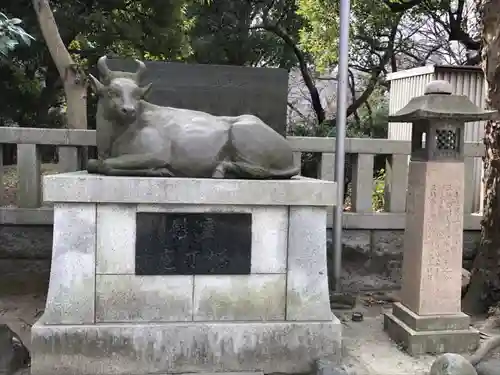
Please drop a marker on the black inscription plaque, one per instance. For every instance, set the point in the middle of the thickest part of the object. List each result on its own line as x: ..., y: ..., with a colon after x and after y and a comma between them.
x: 193, y: 243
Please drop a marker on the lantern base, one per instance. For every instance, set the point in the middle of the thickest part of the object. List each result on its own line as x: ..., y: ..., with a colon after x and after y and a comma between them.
x: 434, y: 334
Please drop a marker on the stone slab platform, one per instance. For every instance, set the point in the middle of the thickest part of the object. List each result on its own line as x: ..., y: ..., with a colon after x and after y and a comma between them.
x: 286, y: 347
x: 418, y: 343
x: 82, y: 187
x: 458, y: 321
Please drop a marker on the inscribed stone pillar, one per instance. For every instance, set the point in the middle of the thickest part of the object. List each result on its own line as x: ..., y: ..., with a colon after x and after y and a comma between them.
x: 429, y: 317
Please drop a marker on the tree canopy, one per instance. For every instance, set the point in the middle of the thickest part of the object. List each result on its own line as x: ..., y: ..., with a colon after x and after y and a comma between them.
x: 301, y: 35
x: 12, y: 35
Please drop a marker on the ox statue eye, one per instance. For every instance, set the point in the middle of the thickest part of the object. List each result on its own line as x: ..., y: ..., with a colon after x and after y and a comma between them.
x: 113, y: 94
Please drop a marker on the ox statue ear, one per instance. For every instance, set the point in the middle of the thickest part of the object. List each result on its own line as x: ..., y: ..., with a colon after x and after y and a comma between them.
x: 96, y: 85
x: 146, y: 90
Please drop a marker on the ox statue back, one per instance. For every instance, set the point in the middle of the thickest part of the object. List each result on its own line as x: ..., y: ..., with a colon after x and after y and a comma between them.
x: 137, y: 138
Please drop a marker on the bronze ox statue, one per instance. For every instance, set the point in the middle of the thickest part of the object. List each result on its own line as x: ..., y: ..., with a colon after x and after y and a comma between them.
x: 137, y: 138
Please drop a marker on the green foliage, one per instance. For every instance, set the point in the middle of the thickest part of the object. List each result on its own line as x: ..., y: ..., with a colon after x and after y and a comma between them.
x: 152, y: 29
x: 370, y: 26
x: 224, y: 32
x: 378, y: 198
x: 373, y: 116
x: 12, y: 35
x: 320, y: 35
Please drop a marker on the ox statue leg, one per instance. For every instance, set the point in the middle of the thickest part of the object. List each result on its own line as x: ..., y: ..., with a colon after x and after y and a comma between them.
x: 241, y: 169
x: 148, y: 165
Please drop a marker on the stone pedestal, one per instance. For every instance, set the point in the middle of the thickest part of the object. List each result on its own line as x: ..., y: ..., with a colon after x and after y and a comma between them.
x: 429, y: 318
x: 106, y: 315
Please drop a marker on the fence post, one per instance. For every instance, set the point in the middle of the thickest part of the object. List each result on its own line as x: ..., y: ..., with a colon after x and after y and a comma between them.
x: 327, y: 166
x: 69, y: 159
x: 297, y: 160
x: 327, y: 169
x: 396, y: 183
x: 29, y: 175
x: 362, y: 183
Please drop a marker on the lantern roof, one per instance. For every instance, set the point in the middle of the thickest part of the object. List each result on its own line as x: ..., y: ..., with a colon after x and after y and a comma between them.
x: 438, y: 103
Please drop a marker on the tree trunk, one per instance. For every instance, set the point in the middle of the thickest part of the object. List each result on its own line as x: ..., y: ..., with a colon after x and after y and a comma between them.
x: 484, y: 288
x: 74, y: 79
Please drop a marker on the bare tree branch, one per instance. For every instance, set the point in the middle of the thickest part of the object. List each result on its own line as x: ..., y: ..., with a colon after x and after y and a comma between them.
x: 306, y: 75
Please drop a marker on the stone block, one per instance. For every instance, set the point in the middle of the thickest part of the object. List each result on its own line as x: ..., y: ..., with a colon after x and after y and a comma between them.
x: 71, y: 295
x: 239, y: 297
x: 130, y: 298
x: 269, y: 239
x: 162, y: 348
x: 418, y: 343
x: 86, y: 188
x: 115, y: 249
x: 307, y: 284
x: 459, y: 321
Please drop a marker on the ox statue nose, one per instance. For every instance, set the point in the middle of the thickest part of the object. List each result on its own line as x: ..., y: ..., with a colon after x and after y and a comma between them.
x: 128, y: 111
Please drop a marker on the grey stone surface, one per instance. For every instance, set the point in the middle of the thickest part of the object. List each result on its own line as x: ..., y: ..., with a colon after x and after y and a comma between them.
x: 83, y: 187
x: 307, y: 283
x: 239, y: 297
x: 220, y: 90
x: 71, y: 297
x: 115, y: 249
x: 435, y: 342
x: 29, y: 168
x: 31, y: 242
x: 459, y: 321
x: 24, y: 276
x: 451, y: 364
x: 269, y: 239
x: 285, y: 347
x: 130, y: 298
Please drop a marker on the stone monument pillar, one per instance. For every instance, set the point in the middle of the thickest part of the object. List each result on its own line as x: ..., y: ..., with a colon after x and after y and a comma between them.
x: 429, y: 317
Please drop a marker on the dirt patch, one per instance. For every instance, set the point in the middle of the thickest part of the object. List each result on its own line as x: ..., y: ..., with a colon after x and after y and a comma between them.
x: 20, y: 312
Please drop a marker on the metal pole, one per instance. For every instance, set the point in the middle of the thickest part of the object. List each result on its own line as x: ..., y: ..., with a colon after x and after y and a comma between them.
x: 342, y: 87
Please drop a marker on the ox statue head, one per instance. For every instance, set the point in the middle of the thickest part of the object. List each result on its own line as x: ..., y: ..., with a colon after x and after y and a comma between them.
x: 119, y: 92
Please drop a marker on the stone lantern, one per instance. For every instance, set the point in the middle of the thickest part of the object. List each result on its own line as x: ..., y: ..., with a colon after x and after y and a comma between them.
x: 429, y: 319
